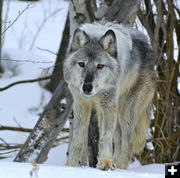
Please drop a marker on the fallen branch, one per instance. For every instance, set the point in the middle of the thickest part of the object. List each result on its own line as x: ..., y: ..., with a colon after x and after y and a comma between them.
x: 12, y: 146
x: 25, y: 81
x: 7, y: 153
x: 9, y: 147
x: 48, y: 127
x: 21, y: 129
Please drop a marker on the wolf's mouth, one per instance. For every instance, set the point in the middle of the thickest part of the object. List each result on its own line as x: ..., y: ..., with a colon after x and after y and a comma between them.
x: 87, y: 95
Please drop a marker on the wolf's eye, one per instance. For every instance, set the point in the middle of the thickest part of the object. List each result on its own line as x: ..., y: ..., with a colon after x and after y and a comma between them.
x: 100, y: 66
x: 81, y: 64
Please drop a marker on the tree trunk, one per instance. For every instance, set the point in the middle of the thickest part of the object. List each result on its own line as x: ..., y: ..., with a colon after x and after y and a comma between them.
x: 121, y: 11
x: 49, y: 125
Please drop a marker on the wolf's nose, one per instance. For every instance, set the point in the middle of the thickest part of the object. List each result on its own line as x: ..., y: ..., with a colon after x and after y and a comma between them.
x: 87, y: 88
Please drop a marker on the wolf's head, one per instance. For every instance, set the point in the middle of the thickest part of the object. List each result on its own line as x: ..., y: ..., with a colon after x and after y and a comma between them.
x: 92, y: 65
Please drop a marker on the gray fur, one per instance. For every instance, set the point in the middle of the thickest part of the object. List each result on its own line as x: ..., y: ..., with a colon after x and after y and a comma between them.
x: 110, y: 69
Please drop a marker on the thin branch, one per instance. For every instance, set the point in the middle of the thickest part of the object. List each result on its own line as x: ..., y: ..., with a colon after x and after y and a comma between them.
x: 4, y: 142
x: 21, y: 129
x: 9, y: 152
x: 25, y: 81
x: 31, y: 5
x: 47, y: 50
x: 14, y: 118
x: 5, y: 21
x: 41, y: 26
x: 10, y: 146
x: 60, y: 139
x: 30, y: 61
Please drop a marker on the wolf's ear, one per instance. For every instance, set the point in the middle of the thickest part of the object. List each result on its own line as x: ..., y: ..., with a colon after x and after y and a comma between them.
x: 80, y: 38
x: 108, y: 42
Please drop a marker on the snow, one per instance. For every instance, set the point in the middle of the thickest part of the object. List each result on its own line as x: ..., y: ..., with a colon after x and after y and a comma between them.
x: 21, y: 104
x: 22, y: 170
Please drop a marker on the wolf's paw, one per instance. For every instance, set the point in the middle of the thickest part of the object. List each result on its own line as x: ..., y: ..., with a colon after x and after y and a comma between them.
x: 106, y: 165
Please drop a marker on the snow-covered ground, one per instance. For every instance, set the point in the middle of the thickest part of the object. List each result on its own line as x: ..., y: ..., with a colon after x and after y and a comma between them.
x: 24, y: 170
x: 21, y: 104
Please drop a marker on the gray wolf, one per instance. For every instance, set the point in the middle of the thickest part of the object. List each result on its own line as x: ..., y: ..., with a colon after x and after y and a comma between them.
x: 109, y: 69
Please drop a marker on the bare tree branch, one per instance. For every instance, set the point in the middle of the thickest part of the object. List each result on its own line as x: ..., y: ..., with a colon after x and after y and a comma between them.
x: 31, y: 5
x: 41, y: 26
x: 26, y: 60
x: 19, y: 129
x: 47, y: 50
x: 5, y: 21
x: 22, y: 129
x: 25, y: 81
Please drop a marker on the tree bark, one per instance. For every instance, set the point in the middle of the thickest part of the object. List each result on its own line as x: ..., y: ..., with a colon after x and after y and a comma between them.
x: 122, y: 11
x: 49, y: 125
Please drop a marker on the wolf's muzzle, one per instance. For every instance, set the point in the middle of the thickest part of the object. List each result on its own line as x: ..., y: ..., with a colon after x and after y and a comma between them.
x: 87, y: 88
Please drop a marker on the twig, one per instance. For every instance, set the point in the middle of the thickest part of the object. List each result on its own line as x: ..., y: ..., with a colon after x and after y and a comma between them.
x: 25, y: 81
x: 10, y: 146
x: 21, y: 129
x: 15, y: 129
x: 19, y: 125
x: 47, y: 68
x: 5, y: 20
x: 4, y: 142
x: 172, y: 139
x: 30, y: 61
x: 8, y: 152
x: 20, y: 13
x: 40, y: 27
x: 47, y: 50
x: 59, y: 140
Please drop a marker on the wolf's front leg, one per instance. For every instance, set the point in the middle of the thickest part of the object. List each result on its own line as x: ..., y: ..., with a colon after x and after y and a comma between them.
x: 127, y: 130
x: 107, y: 124
x: 80, y: 131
